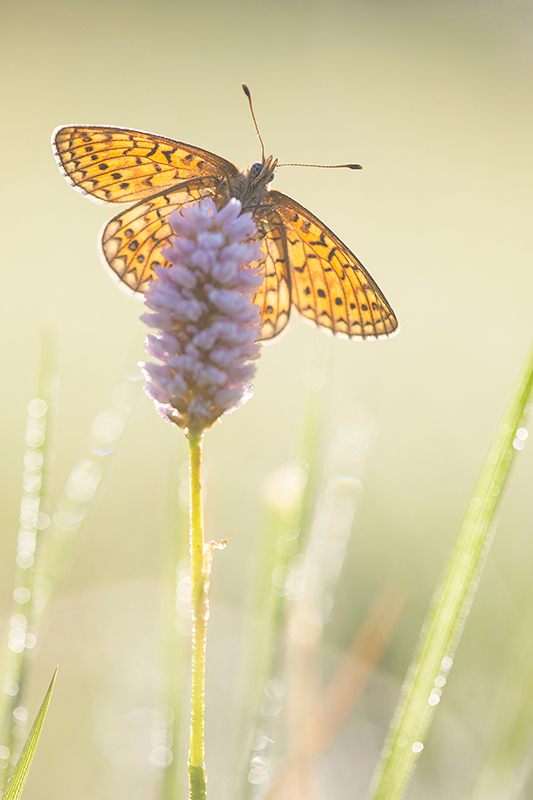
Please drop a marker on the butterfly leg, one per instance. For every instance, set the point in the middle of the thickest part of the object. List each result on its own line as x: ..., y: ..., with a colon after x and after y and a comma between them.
x: 222, y: 194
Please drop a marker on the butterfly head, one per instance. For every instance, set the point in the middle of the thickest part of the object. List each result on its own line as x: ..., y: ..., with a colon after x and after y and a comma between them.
x: 261, y: 173
x: 250, y: 187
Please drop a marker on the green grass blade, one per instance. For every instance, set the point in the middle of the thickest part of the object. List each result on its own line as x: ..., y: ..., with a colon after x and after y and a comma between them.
x: 450, y: 606
x: 20, y: 773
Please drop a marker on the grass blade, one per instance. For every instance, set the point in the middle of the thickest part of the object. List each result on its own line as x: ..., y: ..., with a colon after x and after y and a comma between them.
x: 20, y: 773
x: 450, y: 606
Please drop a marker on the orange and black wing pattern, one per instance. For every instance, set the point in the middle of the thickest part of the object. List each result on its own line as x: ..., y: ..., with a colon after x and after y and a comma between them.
x: 305, y: 264
x: 274, y: 296
x: 119, y: 165
x: 132, y: 242
x: 328, y: 283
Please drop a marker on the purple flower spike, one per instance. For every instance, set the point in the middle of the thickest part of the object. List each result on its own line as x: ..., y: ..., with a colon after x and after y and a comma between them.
x: 207, y: 320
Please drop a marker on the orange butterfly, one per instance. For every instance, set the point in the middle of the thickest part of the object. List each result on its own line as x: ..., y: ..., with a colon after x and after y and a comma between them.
x: 305, y: 264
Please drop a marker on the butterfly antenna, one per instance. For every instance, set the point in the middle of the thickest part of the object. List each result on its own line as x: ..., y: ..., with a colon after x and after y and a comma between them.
x: 249, y: 96
x: 324, y: 166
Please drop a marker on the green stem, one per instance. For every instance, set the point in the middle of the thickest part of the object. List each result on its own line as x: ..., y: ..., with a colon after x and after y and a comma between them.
x: 450, y: 606
x: 200, y: 614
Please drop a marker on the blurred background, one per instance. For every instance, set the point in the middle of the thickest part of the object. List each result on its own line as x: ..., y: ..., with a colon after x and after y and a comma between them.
x: 434, y: 99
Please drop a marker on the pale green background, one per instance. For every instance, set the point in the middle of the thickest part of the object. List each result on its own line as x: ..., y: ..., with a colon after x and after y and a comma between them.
x: 434, y: 99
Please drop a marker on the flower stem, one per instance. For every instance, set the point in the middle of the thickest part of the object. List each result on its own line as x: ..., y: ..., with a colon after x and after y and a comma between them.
x: 200, y: 615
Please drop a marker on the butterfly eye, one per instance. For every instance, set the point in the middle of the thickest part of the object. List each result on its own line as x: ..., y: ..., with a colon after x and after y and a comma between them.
x: 255, y: 169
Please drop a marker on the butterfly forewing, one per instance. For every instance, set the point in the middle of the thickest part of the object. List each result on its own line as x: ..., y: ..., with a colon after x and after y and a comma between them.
x: 118, y: 165
x: 329, y: 285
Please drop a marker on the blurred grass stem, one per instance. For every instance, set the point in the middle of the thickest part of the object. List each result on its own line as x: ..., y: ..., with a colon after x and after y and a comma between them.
x: 200, y: 613
x: 30, y: 590
x: 345, y: 687
x: 450, y: 605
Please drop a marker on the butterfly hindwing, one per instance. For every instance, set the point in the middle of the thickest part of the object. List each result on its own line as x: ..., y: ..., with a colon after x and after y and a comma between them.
x: 132, y: 241
x: 329, y: 285
x: 274, y: 296
x: 119, y: 165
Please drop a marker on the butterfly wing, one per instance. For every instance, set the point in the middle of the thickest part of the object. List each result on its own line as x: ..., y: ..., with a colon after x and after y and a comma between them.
x: 329, y: 285
x: 131, y: 242
x: 304, y: 262
x: 274, y: 295
x: 120, y: 165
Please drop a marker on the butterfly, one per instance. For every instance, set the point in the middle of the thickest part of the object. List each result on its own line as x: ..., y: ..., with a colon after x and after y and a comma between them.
x: 305, y: 264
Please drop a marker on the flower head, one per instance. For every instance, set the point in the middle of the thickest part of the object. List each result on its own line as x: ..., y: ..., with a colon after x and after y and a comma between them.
x: 203, y: 307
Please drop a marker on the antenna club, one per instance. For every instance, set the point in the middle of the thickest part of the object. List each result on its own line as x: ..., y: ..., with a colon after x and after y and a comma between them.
x: 324, y: 166
x: 249, y: 96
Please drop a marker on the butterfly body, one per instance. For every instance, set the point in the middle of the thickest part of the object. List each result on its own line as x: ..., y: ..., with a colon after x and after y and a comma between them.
x: 305, y: 263
x: 250, y: 184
